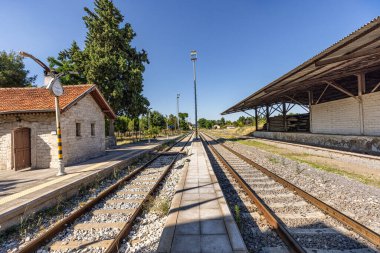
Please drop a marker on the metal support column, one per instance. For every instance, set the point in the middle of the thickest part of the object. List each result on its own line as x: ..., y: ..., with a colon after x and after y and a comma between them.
x: 256, y: 120
x: 361, y: 90
x: 311, y: 102
x: 267, y: 117
x: 284, y: 116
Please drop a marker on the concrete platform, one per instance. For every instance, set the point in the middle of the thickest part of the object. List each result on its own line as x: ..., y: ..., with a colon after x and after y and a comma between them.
x: 352, y: 143
x: 199, y: 218
x: 27, y: 191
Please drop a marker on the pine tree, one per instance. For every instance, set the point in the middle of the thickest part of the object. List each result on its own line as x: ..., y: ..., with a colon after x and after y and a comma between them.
x: 12, y: 71
x: 108, y: 60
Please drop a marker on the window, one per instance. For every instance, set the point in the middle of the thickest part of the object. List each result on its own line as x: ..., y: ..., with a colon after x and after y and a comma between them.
x: 77, y: 129
x: 92, y: 129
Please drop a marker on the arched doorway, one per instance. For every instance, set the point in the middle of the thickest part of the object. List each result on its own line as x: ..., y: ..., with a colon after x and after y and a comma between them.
x: 21, y: 148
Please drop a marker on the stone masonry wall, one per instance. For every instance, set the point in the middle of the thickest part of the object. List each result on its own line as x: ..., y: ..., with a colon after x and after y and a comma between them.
x: 360, y: 144
x: 43, y: 143
x: 342, y: 116
x: 77, y: 149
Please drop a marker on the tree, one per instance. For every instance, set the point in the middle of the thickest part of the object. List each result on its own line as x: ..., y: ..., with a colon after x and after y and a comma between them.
x: 121, y: 124
x: 241, y: 121
x: 108, y: 60
x: 172, y: 121
x: 157, y: 120
x: 12, y: 71
x: 202, y: 122
x: 222, y: 122
x: 182, y: 120
x: 72, y: 59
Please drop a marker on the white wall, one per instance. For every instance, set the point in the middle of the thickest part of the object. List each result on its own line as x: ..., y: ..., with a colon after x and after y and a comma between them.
x: 342, y: 116
x: 371, y: 105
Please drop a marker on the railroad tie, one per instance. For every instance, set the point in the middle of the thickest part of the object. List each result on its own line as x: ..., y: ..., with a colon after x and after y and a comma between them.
x: 90, y: 226
x: 115, y: 201
x: 275, y: 196
x: 294, y: 204
x: 62, y: 245
x: 265, y: 183
x: 113, y: 211
x: 145, y: 180
x: 132, y: 192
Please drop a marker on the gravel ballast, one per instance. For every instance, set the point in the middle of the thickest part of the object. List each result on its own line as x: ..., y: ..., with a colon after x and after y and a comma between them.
x: 146, y: 232
x: 355, y: 199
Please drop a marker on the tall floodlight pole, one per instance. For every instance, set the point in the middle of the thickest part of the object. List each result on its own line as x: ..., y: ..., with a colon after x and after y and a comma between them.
x: 178, y: 111
x: 149, y: 124
x: 193, y: 55
x: 167, y: 126
x: 53, y: 82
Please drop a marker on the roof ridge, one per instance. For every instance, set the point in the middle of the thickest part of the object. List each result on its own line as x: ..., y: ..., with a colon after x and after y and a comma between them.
x: 43, y: 87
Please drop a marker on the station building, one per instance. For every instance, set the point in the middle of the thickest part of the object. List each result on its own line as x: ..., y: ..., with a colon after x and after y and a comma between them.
x: 340, y: 91
x: 28, y: 126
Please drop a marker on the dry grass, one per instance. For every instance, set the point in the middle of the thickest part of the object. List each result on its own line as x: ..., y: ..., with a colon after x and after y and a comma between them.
x: 232, y: 133
x: 159, y: 205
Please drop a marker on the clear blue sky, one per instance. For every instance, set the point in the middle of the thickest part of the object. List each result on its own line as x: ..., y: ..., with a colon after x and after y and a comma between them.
x: 242, y: 45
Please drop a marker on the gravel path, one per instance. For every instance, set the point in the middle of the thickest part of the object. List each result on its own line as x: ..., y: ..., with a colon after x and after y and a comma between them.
x: 357, y: 200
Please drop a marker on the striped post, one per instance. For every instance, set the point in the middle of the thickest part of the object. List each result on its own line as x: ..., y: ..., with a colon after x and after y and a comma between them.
x: 59, y: 139
x: 61, y: 168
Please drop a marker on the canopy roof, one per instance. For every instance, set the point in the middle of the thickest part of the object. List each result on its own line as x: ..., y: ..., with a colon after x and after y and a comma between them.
x: 357, y: 53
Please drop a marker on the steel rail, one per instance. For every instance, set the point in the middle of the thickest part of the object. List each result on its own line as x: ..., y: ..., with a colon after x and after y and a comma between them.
x: 357, y: 227
x: 274, y: 221
x: 33, y: 245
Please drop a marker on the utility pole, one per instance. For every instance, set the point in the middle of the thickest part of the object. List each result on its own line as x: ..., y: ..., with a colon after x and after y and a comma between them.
x: 193, y: 55
x: 178, y: 111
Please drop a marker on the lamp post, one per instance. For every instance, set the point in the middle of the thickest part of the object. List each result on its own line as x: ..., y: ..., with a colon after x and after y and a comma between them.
x: 52, y: 80
x: 167, y: 126
x: 178, y: 110
x: 149, y: 124
x: 193, y: 56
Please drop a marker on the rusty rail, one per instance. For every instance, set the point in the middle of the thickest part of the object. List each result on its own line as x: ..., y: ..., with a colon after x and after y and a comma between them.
x: 357, y: 227
x: 62, y: 224
x: 270, y: 216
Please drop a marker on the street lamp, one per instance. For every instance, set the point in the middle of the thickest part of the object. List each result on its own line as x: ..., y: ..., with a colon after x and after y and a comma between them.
x: 193, y: 56
x: 52, y: 80
x: 178, y: 110
x: 149, y: 124
x: 167, y: 126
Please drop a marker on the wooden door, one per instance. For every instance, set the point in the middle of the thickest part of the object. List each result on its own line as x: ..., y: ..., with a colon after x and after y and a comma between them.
x: 21, y: 148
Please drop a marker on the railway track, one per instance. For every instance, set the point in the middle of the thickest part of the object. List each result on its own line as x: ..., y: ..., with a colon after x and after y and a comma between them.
x: 304, y: 223
x: 102, y: 223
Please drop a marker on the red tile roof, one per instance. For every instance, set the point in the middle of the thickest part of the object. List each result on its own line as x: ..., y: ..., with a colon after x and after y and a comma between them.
x: 29, y: 100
